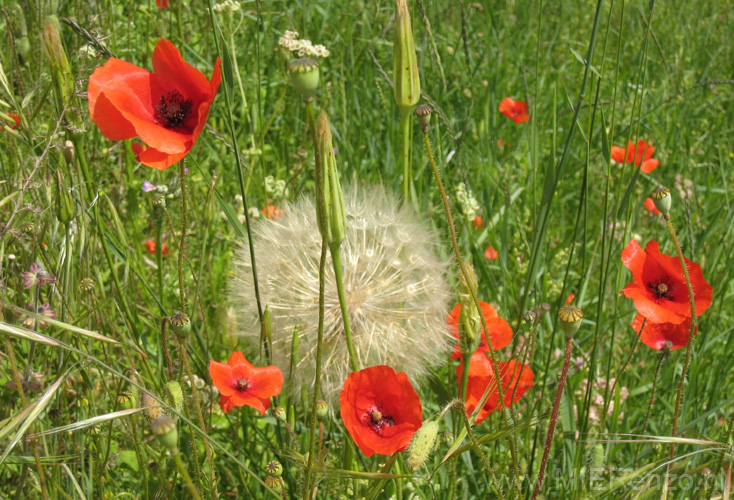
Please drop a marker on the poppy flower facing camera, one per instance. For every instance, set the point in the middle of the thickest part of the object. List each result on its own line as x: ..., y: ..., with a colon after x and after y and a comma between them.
x: 167, y: 109
x: 517, y: 110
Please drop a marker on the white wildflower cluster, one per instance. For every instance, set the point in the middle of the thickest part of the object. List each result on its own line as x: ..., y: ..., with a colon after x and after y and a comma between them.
x: 395, y: 288
x: 304, y: 47
x: 469, y: 205
x: 227, y: 6
x: 275, y: 188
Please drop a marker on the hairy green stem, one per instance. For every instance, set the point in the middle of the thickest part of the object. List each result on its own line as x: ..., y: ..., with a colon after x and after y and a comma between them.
x: 187, y: 479
x: 181, y: 249
x: 194, y: 450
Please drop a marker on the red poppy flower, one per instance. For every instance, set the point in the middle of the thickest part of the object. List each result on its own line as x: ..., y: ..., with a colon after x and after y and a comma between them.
x: 167, y: 109
x: 380, y: 409
x: 498, y: 330
x: 517, y: 110
x: 240, y: 383
x: 272, y: 213
x: 477, y: 221
x: 655, y: 335
x: 650, y: 206
x: 570, y: 298
x: 659, y: 289
x: 162, y: 4
x: 640, y: 156
x: 490, y: 253
x: 516, y: 378
x: 150, y: 246
x: 16, y: 119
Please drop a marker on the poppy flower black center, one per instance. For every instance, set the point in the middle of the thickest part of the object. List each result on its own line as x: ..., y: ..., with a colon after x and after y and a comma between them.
x: 241, y: 384
x: 662, y: 288
x: 377, y: 420
x: 173, y: 109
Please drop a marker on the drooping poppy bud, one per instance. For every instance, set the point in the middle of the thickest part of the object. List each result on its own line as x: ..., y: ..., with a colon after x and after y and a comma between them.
x: 304, y: 76
x: 407, y: 84
x: 330, y: 213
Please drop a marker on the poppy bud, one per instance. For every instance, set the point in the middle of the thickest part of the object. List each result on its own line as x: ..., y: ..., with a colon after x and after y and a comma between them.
x: 423, y: 112
x: 330, y: 213
x: 545, y: 306
x: 406, y: 80
x: 65, y: 206
x: 529, y: 316
x: 322, y: 409
x: 469, y: 321
x: 447, y: 437
x: 165, y: 430
x: 662, y: 199
x: 304, y: 76
x: 68, y: 152
x: 173, y: 395
x: 60, y: 69
x: 273, y: 468
x: 180, y: 324
x: 570, y: 317
x: 279, y: 413
x: 151, y: 408
x: 422, y: 444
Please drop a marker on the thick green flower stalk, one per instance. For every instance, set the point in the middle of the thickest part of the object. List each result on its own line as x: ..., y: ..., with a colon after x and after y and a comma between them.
x: 407, y: 86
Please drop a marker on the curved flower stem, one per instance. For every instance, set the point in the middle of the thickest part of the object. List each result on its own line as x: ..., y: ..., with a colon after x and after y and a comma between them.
x: 462, y: 267
x: 317, y: 378
x: 406, y: 128
x: 554, y: 417
x: 337, y: 263
x: 661, y: 358
x: 689, y: 347
x: 187, y: 479
x: 181, y: 287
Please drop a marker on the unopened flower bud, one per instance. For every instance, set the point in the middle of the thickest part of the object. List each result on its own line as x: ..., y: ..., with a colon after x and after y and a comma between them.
x: 65, y: 206
x: 406, y: 80
x: 322, y: 409
x: 304, y: 76
x: 529, y: 316
x: 422, y: 444
x: 570, y: 317
x: 545, y: 306
x: 165, y: 430
x: 662, y: 199
x: 173, y: 395
x: 330, y: 213
x: 273, y: 468
x: 180, y: 324
x: 61, y: 74
x: 151, y: 408
x: 423, y: 112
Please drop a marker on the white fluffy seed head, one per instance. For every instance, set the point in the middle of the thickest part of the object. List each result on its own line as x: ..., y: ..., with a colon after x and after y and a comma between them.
x: 395, y: 287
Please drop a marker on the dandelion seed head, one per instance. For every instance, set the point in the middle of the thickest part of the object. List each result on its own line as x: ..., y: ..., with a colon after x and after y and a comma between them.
x: 395, y: 286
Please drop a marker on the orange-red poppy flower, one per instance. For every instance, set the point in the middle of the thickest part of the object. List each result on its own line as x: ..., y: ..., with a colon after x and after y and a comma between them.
x: 150, y: 246
x: 167, y: 109
x: 517, y: 110
x: 477, y: 221
x: 650, y: 206
x: 516, y: 380
x: 272, y: 213
x: 659, y: 289
x: 380, y: 409
x: 162, y: 4
x: 641, y: 155
x: 655, y: 335
x: 490, y: 253
x: 569, y: 299
x: 240, y: 383
x: 16, y: 119
x: 498, y: 330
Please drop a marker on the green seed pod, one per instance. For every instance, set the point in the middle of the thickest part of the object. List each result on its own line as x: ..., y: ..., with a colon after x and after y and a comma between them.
x: 662, y: 199
x: 423, y: 112
x: 422, y: 444
x: 273, y: 483
x: 86, y: 285
x: 273, y: 468
x: 165, y: 430
x: 173, y: 395
x: 279, y: 413
x: 407, y: 83
x: 125, y: 400
x: 94, y: 430
x: 570, y: 317
x: 304, y: 76
x: 322, y: 409
x: 331, y: 217
x: 181, y: 324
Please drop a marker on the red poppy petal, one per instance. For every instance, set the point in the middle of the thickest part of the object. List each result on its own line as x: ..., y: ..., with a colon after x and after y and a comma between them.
x: 221, y: 374
x: 618, y: 154
x: 226, y: 403
x: 506, y: 106
x: 153, y: 158
x: 238, y: 358
x: 265, y: 382
x: 244, y: 398
x: 649, y: 165
x: 173, y: 73
x: 649, y: 308
x: 655, y: 335
x: 500, y: 333
x: 633, y: 258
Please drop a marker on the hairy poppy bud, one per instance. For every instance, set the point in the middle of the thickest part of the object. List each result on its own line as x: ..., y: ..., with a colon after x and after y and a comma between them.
x: 423, y: 112
x: 407, y: 84
x: 151, y: 408
x: 304, y: 76
x: 61, y: 74
x: 273, y: 468
x: 165, y: 430
x: 180, y: 324
x: 330, y: 212
x: 173, y: 395
x: 662, y: 199
x: 65, y: 206
x: 469, y: 320
x: 570, y: 319
x: 422, y: 444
